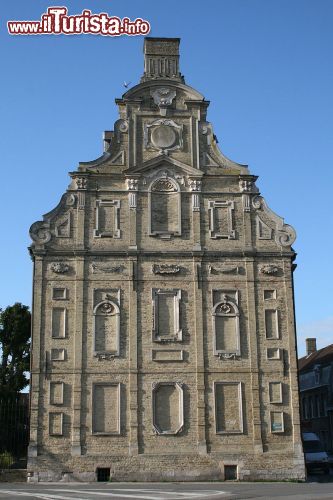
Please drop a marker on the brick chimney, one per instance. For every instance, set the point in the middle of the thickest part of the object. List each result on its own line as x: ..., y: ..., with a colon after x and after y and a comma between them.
x: 161, y: 59
x: 311, y: 346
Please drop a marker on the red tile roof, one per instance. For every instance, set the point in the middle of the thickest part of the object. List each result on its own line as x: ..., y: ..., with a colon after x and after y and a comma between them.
x: 322, y: 356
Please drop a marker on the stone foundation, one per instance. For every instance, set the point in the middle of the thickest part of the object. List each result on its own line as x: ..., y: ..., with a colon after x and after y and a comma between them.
x: 167, y: 468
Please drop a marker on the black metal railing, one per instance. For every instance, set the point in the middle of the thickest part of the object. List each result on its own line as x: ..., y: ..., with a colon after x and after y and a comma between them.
x: 14, y: 431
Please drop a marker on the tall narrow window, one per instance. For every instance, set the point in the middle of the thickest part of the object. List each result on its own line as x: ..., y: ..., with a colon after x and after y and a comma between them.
x: 226, y: 329
x: 164, y: 208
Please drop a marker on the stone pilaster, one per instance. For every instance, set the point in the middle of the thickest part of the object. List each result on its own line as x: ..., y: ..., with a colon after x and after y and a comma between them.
x: 133, y: 357
x: 253, y: 353
x: 77, y: 361
x: 195, y: 188
x: 36, y: 382
x: 200, y: 362
x: 132, y: 187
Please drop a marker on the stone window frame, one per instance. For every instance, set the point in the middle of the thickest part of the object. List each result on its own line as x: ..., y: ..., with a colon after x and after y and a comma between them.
x: 64, y: 325
x: 178, y: 332
x: 59, y: 288
x: 58, y: 349
x: 115, y: 353
x: 279, y: 431
x: 235, y: 314
x: 277, y: 326
x: 180, y: 389
x: 240, y: 406
x: 53, y: 413
x: 107, y: 234
x: 56, y: 382
x: 280, y: 399
x: 165, y: 234
x: 112, y: 384
x: 230, y: 206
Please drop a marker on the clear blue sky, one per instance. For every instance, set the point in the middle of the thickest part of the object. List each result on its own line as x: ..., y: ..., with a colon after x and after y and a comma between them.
x: 266, y: 66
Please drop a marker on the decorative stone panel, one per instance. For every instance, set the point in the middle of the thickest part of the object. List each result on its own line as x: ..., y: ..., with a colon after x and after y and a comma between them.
x: 228, y: 407
x: 221, y: 223
x: 107, y: 219
x: 166, y: 315
x: 56, y: 424
x: 58, y: 354
x: 167, y: 355
x: 277, y: 422
x: 106, y: 331
x: 271, y: 324
x: 163, y: 135
x: 59, y: 293
x: 106, y: 409
x: 59, y: 322
x: 275, y: 392
x: 168, y: 408
x: 226, y: 329
x: 274, y: 353
x: 164, y: 208
x: 56, y: 393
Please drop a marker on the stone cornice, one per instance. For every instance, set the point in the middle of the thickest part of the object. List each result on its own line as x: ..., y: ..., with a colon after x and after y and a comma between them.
x: 189, y: 254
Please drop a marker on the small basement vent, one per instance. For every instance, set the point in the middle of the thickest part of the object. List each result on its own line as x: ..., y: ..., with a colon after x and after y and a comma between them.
x: 230, y: 472
x: 103, y: 474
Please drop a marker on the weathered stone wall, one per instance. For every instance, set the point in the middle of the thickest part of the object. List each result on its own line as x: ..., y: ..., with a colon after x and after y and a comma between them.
x: 163, y: 310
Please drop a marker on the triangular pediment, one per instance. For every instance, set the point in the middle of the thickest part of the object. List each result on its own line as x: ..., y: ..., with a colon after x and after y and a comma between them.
x: 164, y: 161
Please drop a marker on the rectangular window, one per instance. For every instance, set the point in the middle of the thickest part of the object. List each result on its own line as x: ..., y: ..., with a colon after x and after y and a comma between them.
x: 228, y: 407
x: 271, y: 324
x: 275, y: 392
x: 58, y: 322
x: 106, y: 409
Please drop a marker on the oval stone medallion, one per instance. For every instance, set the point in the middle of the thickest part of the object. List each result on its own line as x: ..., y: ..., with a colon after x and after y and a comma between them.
x: 163, y: 136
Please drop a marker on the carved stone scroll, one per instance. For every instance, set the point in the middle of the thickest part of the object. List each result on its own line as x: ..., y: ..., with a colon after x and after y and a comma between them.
x: 269, y: 269
x: 59, y: 267
x: 101, y: 269
x: 165, y: 269
x: 224, y: 269
x: 285, y: 235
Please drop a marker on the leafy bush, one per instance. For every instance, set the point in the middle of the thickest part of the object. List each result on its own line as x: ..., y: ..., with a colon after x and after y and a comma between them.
x: 6, y: 460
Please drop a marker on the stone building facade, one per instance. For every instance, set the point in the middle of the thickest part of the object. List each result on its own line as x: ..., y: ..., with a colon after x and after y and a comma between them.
x: 163, y: 332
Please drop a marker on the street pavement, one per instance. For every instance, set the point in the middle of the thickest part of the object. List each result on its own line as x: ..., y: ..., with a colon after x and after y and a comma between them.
x: 168, y: 491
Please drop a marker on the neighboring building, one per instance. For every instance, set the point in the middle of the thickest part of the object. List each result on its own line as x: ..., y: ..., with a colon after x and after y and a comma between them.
x: 163, y: 332
x: 316, y: 392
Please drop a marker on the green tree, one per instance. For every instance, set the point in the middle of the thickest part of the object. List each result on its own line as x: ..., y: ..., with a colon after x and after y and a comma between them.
x: 15, y: 325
